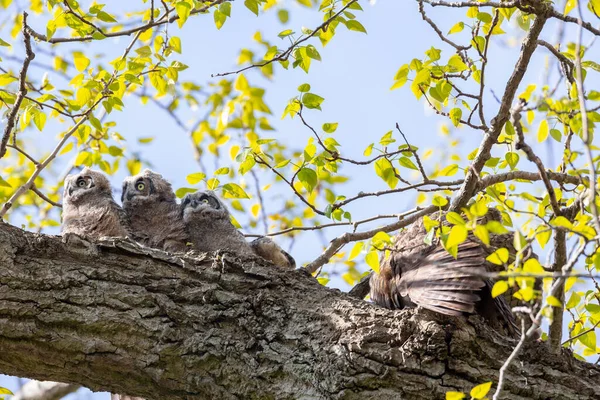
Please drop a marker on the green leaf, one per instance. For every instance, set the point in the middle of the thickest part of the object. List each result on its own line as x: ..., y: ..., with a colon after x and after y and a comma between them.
x: 356, y: 249
x: 561, y: 222
x: 553, y: 301
x: 556, y: 135
x: 499, y: 288
x: 479, y: 391
x: 80, y: 60
x: 573, y: 300
x: 458, y: 27
x: 195, y: 178
x: 454, y: 218
x: 305, y: 87
x: 512, y: 159
x: 181, y: 192
x: 219, y: 18
x: 4, y: 391
x: 385, y: 170
x: 234, y: 191
x: 589, y: 339
x: 354, y: 25
x: 455, y: 396
x: 312, y: 101
x: 175, y: 44
x: 543, y: 237
x: 252, y: 5
x: 372, y: 260
x: 543, y: 131
x: 439, y: 201
x: 39, y: 119
x: 183, y: 9
x: 450, y: 170
x: 455, y: 116
x: 458, y: 234
x: 407, y: 163
x: 498, y: 257
x: 330, y: 127
x: 3, y: 183
x: 5, y: 79
x: 308, y: 178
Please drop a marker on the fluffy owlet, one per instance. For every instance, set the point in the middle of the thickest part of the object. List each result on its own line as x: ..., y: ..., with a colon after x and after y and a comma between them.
x: 153, y: 212
x: 89, y: 209
x: 417, y: 274
x: 209, y: 227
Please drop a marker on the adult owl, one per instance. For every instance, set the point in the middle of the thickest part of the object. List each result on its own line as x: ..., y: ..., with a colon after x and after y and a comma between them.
x: 89, y: 209
x: 153, y: 212
x: 209, y: 226
x: 418, y: 274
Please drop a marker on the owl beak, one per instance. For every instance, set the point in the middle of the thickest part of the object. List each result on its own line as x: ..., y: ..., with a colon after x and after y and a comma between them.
x: 70, y: 190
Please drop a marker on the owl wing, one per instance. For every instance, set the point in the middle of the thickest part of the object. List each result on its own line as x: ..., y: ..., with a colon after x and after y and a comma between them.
x: 437, y: 281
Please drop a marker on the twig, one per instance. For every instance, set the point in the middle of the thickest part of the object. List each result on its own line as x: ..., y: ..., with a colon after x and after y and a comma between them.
x: 12, y: 116
x: 161, y: 21
x: 531, y: 156
x: 587, y: 140
x: 339, y: 242
x: 284, y: 55
x: 35, y: 190
x: 564, y: 61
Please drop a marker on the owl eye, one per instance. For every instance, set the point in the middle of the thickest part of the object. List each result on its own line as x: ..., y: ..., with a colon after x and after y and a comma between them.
x: 205, y: 201
x: 81, y: 182
x: 140, y: 186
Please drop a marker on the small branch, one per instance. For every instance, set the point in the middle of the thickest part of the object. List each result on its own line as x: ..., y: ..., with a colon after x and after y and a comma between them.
x: 339, y: 242
x: 42, y: 196
x: 438, y: 31
x: 531, y: 156
x: 567, y: 64
x: 12, y: 116
x: 510, y: 359
x: 284, y: 56
x: 161, y: 21
x: 263, y: 212
x: 587, y: 139
x: 417, y: 158
x: 580, y: 334
x: 324, y: 226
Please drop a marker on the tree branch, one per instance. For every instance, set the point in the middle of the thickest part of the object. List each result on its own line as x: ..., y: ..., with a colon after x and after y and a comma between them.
x: 22, y: 92
x: 529, y: 45
x: 215, y: 326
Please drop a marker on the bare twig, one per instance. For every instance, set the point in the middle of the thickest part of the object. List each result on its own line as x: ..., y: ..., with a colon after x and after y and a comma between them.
x: 12, y: 115
x: 339, y: 242
x: 587, y: 140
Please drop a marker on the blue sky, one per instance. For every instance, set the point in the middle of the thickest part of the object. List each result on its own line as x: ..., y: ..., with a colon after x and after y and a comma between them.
x: 354, y: 77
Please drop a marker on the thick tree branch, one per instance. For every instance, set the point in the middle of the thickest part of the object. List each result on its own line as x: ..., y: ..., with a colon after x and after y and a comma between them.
x: 529, y: 45
x: 213, y: 326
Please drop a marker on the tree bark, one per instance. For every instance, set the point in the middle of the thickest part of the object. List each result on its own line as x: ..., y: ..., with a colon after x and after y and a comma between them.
x: 118, y: 317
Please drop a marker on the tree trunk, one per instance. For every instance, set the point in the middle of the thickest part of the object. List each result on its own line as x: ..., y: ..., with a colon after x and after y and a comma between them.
x: 125, y: 319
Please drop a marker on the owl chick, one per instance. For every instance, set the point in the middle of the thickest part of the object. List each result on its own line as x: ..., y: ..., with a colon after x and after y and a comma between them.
x: 208, y: 224
x: 89, y: 209
x: 153, y: 212
x: 417, y: 274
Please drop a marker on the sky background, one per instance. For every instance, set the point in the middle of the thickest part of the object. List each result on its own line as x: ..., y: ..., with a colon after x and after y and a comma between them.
x: 354, y: 77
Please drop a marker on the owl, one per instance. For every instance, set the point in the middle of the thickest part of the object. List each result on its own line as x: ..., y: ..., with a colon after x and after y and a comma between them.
x: 89, y: 209
x: 418, y: 274
x: 209, y: 227
x: 153, y: 212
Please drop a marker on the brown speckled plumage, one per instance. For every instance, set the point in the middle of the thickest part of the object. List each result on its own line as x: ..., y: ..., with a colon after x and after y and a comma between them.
x: 210, y: 229
x: 417, y: 274
x: 89, y: 209
x: 153, y: 212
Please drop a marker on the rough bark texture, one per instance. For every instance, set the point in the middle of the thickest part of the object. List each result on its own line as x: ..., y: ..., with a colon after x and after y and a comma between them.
x: 129, y: 320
